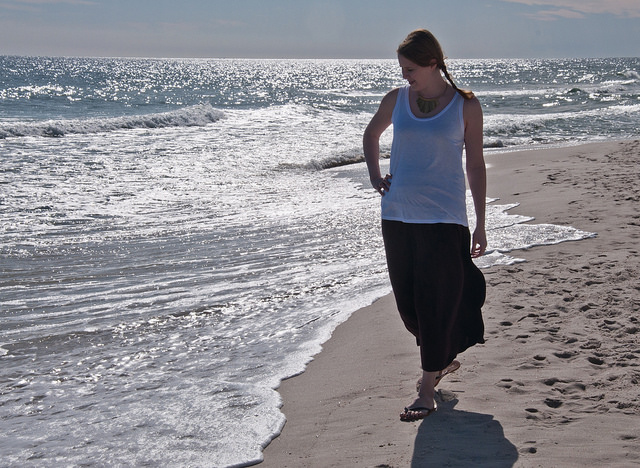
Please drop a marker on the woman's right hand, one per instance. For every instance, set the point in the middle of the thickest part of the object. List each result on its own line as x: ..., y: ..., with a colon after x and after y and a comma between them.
x: 382, y: 185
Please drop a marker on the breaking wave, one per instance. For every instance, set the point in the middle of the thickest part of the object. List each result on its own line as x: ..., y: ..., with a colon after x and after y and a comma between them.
x: 193, y: 116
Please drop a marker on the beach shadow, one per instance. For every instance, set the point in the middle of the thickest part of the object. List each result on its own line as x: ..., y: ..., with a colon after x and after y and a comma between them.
x: 462, y: 439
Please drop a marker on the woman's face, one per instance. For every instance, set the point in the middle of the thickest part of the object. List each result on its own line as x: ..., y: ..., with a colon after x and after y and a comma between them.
x: 416, y: 76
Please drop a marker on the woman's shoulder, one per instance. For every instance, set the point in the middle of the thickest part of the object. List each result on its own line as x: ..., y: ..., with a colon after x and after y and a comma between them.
x: 472, y: 112
x: 393, y: 94
x: 389, y: 100
x: 472, y: 107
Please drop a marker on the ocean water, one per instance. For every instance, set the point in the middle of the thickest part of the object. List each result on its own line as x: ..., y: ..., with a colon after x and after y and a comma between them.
x: 178, y: 236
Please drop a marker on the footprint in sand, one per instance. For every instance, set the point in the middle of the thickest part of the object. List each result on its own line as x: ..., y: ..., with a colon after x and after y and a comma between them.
x: 509, y: 384
x: 531, y: 449
x: 564, y: 354
x: 567, y: 387
x: 592, y: 343
x: 532, y: 413
x: 595, y: 360
x: 551, y: 382
x: 553, y: 403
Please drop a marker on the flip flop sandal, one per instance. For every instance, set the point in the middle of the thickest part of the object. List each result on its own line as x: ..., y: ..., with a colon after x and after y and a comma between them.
x: 416, y: 414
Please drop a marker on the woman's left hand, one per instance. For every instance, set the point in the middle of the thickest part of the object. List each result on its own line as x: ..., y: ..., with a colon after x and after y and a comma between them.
x: 479, y: 243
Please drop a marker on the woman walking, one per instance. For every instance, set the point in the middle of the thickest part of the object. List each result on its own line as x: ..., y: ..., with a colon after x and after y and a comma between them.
x: 438, y: 289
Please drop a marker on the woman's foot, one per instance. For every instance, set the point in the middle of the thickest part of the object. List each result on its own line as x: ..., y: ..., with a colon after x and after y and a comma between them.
x: 425, y: 404
x: 454, y: 366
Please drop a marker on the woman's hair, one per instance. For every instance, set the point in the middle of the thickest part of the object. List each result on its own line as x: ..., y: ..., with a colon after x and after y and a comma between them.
x: 422, y: 48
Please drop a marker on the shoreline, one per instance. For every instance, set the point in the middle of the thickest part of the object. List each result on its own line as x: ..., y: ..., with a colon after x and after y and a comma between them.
x: 558, y: 381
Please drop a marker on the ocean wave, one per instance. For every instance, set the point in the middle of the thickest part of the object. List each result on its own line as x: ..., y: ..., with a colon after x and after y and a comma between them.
x: 513, y: 124
x: 608, y: 86
x: 331, y: 162
x: 340, y: 160
x: 631, y: 74
x: 335, y: 161
x: 192, y: 116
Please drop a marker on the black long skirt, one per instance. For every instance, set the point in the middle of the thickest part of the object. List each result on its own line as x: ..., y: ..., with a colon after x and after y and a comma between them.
x: 438, y: 289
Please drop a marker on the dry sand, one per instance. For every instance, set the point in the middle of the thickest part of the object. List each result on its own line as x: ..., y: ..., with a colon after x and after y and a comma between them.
x: 557, y: 383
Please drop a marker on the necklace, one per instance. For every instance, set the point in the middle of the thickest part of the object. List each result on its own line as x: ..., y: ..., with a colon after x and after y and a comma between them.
x: 427, y: 105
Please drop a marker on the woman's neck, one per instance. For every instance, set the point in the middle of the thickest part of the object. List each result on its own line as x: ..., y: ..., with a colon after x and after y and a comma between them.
x: 433, y: 91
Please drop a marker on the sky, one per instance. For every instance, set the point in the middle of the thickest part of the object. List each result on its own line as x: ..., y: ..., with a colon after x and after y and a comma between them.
x: 318, y: 28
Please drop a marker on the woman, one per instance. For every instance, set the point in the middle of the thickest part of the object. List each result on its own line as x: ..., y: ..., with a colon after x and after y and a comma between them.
x: 438, y: 289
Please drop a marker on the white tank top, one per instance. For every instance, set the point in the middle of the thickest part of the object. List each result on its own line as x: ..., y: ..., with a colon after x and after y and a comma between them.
x: 428, y: 184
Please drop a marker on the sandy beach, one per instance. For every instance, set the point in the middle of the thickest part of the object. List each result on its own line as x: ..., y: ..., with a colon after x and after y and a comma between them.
x: 557, y: 383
